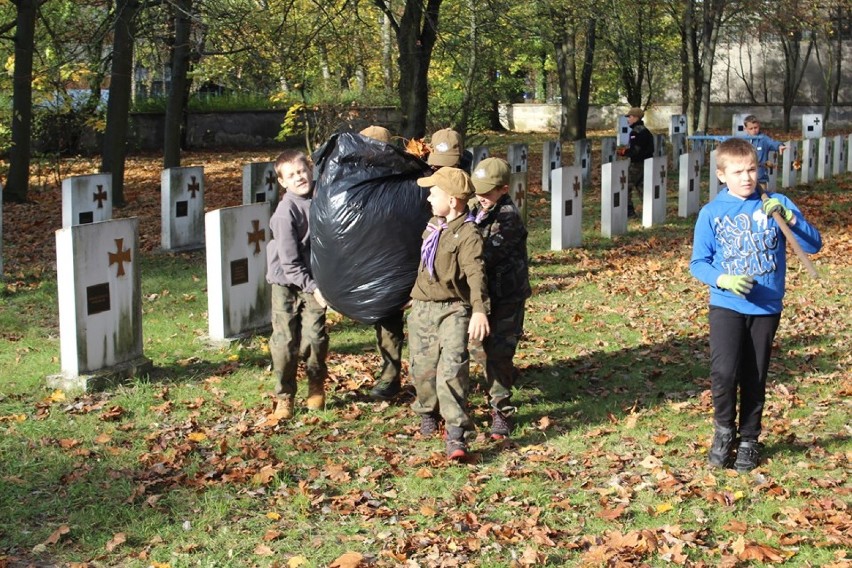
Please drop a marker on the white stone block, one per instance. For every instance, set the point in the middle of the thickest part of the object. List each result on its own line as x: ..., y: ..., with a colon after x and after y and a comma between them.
x: 583, y: 159
x: 788, y: 169
x: 677, y: 125
x: 689, y: 185
x: 182, y: 208
x: 518, y: 192
x: 608, y: 149
x: 812, y: 126
x: 622, y: 130
x: 86, y: 199
x: 478, y: 153
x: 260, y: 184
x: 808, y: 158
x: 838, y: 162
x: 566, y: 208
x: 551, y: 158
x: 824, y: 153
x: 614, y: 198
x: 738, y: 125
x: 713, y: 180
x: 654, y: 192
x: 518, y: 155
x: 239, y: 299
x: 771, y: 166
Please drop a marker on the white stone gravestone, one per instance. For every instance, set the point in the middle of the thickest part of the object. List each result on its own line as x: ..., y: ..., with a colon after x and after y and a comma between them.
x: 849, y: 153
x: 838, y: 162
x: 654, y: 192
x: 790, y: 164
x: 517, y: 157
x: 260, y: 184
x: 518, y: 192
x: 677, y: 125
x: 622, y: 131
x: 478, y: 153
x: 583, y: 159
x: 809, y: 161
x: 824, y: 154
x: 614, y: 188
x: 712, y: 179
x: 86, y: 199
x: 551, y: 158
x: 678, y: 149
x: 608, y: 149
x: 699, y: 147
x: 100, y: 304
x: 689, y: 185
x: 660, y: 145
x: 239, y: 299
x: 771, y: 166
x: 811, y: 126
x: 738, y: 125
x: 566, y: 208
x: 182, y: 208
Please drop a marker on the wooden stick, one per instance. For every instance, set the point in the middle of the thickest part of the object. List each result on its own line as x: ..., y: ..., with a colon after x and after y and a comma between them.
x: 791, y: 238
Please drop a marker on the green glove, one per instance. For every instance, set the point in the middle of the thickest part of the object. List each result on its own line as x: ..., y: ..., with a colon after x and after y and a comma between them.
x: 772, y: 205
x: 738, y: 284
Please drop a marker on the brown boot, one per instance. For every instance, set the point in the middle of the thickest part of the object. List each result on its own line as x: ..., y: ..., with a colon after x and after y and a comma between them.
x: 316, y: 395
x: 284, y: 408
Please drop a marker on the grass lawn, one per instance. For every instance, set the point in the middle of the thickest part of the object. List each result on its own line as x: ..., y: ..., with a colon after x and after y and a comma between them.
x: 606, y: 465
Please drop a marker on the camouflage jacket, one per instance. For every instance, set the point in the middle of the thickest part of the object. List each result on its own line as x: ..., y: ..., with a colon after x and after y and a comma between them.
x: 506, y: 260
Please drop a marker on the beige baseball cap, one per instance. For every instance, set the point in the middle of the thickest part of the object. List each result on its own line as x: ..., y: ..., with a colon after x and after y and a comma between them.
x: 454, y: 181
x: 446, y: 148
x: 490, y: 173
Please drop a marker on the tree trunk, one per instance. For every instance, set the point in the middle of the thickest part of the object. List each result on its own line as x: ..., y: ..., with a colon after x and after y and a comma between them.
x: 794, y: 70
x: 586, y: 78
x: 564, y: 46
x: 467, y: 100
x: 120, y: 90
x: 387, y: 51
x: 176, y: 102
x: 18, y: 181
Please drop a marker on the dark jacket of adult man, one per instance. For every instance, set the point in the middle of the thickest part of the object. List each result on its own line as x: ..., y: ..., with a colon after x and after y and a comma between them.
x: 641, y: 144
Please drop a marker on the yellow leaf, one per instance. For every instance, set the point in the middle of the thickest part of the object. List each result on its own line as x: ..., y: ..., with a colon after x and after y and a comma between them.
x: 348, y: 560
x: 233, y: 357
x: 664, y: 507
x: 272, y: 515
x: 297, y: 561
x: 263, y: 550
x: 197, y: 436
x: 57, y: 396
x: 428, y: 511
x: 738, y: 495
x: 160, y: 565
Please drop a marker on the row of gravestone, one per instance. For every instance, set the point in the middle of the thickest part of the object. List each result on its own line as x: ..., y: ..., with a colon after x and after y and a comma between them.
x: 99, y: 281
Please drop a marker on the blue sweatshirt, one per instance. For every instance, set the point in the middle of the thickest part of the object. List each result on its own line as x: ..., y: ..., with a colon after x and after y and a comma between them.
x: 734, y: 236
x: 763, y: 144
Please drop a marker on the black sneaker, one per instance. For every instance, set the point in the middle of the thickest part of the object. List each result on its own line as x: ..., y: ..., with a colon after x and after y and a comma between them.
x: 385, y: 390
x: 501, y: 425
x: 748, y: 456
x: 722, y: 451
x: 428, y: 424
x: 456, y: 446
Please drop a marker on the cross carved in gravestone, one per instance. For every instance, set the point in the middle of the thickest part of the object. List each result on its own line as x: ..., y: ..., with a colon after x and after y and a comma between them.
x: 682, y: 121
x: 100, y: 196
x: 662, y: 172
x: 577, y: 186
x: 816, y: 120
x: 256, y: 236
x: 270, y: 180
x: 697, y: 168
x: 193, y: 187
x: 119, y: 257
x: 519, y: 195
x: 622, y: 179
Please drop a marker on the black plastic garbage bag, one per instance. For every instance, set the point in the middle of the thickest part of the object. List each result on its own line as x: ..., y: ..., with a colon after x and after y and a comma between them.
x: 367, y: 218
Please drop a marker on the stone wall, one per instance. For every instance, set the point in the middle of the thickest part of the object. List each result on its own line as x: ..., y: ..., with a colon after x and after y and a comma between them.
x: 536, y: 117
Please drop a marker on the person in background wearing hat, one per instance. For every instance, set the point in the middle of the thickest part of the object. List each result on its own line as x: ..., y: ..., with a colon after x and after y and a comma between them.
x: 507, y: 271
x: 449, y: 307
x: 640, y: 148
x: 390, y: 331
x: 448, y: 150
x: 763, y: 144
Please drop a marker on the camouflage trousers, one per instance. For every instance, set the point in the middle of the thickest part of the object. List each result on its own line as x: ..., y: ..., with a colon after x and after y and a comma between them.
x: 496, y: 352
x: 390, y: 335
x: 440, y: 364
x: 298, y: 333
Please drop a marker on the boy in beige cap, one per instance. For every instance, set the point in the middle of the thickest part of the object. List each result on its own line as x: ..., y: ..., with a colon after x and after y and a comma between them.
x: 449, y: 307
x: 446, y: 149
x: 507, y: 270
x: 379, y: 133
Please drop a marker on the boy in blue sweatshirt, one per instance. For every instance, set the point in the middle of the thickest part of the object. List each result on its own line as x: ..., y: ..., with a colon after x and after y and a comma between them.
x: 763, y: 144
x: 740, y: 253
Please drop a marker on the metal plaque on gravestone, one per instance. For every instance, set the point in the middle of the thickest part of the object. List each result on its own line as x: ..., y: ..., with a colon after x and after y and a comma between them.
x: 622, y: 131
x: 551, y: 158
x: 808, y: 159
x: 517, y: 157
x: 824, y: 158
x: 790, y: 160
x: 812, y: 126
x: 583, y: 159
x: 239, y: 299
x: 478, y: 153
x: 838, y: 162
x: 660, y: 145
x: 100, y: 303
x: 689, y: 185
x: 608, y: 149
x: 614, y: 188
x: 86, y: 199
x: 712, y: 181
x: 182, y: 208
x: 772, y: 167
x: 677, y: 125
x: 654, y: 192
x: 260, y: 184
x: 738, y: 125
x: 518, y: 192
x: 566, y: 208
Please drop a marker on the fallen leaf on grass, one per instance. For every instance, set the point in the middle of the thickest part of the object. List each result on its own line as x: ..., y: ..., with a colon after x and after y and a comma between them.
x: 736, y: 526
x: 756, y: 551
x: 348, y: 560
x: 263, y: 550
x: 611, y: 514
x: 57, y: 534
x: 117, y: 540
x: 544, y: 423
x: 297, y: 562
